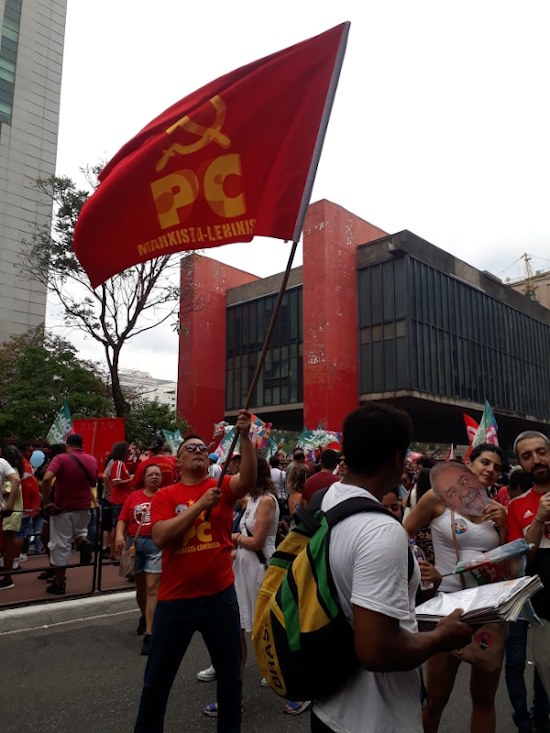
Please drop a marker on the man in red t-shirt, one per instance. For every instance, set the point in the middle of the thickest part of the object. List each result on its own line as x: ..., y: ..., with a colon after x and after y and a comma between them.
x: 323, y: 478
x: 75, y: 474
x: 529, y: 517
x: 191, y: 522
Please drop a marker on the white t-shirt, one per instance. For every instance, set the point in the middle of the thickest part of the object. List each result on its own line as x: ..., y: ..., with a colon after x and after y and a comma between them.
x: 6, y: 470
x: 214, y: 470
x: 369, y: 563
x: 278, y: 478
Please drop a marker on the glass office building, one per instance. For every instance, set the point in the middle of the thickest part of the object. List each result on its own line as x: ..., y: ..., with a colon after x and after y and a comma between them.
x: 431, y: 326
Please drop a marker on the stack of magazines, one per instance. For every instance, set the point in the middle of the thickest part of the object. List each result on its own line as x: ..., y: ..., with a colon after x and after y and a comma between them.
x: 493, y: 602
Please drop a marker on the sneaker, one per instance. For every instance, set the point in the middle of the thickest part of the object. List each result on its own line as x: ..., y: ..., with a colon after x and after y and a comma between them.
x: 23, y: 557
x: 141, y: 626
x: 85, y: 550
x: 146, y: 645
x: 207, y: 675
x: 6, y: 583
x: 56, y: 590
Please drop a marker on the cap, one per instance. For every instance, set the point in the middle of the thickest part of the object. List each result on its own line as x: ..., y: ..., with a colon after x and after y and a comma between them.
x: 213, y: 456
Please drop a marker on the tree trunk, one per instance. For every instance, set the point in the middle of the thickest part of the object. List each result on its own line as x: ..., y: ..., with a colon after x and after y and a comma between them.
x: 122, y: 408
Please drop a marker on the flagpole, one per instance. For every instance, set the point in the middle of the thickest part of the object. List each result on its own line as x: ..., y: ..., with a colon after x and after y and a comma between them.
x: 263, y: 353
x: 321, y: 134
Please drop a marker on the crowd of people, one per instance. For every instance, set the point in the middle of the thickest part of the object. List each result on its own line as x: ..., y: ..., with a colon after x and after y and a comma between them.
x: 200, y: 544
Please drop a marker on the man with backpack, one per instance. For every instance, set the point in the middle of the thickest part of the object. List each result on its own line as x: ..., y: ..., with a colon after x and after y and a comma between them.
x: 369, y: 563
x: 356, y: 651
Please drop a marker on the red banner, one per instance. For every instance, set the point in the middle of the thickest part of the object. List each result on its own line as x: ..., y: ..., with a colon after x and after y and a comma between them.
x: 229, y: 162
x: 99, y: 434
x: 471, y: 427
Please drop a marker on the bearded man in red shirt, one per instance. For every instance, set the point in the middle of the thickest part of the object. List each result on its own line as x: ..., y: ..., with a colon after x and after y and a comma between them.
x: 191, y: 522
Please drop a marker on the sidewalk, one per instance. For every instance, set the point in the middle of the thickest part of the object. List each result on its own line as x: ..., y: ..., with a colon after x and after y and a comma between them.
x: 29, y: 590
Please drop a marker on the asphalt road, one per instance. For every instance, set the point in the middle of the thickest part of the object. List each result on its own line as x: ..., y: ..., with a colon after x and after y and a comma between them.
x: 85, y: 675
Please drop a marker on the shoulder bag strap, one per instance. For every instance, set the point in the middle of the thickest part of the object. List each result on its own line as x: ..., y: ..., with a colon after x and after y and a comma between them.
x: 137, y: 533
x: 456, y: 547
x: 88, y: 475
x: 356, y: 505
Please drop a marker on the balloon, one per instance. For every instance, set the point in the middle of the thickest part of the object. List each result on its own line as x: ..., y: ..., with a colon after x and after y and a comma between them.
x: 37, y: 459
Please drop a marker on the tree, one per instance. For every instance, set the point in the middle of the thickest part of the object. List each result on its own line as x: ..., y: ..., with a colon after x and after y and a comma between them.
x: 38, y: 372
x: 146, y: 418
x: 132, y: 302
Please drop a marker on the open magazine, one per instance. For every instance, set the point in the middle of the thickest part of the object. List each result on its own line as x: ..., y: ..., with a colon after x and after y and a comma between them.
x: 501, y: 601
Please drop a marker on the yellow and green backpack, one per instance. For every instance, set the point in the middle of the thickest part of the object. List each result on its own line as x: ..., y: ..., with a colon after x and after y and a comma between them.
x: 303, y: 642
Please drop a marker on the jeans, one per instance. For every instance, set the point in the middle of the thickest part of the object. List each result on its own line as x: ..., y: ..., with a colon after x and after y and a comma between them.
x: 217, y: 619
x: 514, y: 670
x: 37, y: 523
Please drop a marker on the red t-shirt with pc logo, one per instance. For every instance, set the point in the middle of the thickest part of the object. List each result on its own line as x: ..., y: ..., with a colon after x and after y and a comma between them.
x: 200, y: 564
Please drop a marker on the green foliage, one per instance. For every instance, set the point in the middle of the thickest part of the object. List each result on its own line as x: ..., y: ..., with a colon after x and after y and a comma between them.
x: 38, y: 372
x: 147, y: 418
x: 130, y: 303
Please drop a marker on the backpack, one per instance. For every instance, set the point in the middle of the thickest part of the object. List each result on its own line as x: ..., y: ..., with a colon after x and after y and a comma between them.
x: 304, y: 643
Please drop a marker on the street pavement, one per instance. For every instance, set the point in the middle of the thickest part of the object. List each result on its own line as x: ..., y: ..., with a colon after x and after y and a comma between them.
x: 74, y: 667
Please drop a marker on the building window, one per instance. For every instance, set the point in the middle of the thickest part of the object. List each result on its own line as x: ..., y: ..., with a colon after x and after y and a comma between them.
x: 281, y: 380
x: 8, y: 57
x: 383, y: 329
x: 423, y: 329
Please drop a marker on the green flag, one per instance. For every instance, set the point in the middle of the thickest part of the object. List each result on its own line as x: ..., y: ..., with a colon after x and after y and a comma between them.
x: 174, y: 439
x: 62, y: 426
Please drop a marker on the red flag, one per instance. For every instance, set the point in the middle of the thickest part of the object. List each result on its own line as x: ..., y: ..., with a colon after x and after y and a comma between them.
x: 471, y: 427
x: 234, y: 160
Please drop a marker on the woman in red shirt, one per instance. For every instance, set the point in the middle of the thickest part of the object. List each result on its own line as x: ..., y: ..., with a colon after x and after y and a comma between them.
x: 135, y: 519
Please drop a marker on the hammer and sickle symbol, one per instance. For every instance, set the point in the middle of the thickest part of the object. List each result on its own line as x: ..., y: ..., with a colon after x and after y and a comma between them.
x: 204, y: 134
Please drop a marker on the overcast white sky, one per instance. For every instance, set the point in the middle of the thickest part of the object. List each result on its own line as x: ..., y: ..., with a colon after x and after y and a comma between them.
x: 440, y: 125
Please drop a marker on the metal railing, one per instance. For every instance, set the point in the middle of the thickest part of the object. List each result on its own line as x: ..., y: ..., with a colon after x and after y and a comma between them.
x: 97, y: 583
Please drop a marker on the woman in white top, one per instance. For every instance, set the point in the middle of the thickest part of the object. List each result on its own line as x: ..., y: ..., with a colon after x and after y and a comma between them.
x: 470, y: 532
x: 254, y: 545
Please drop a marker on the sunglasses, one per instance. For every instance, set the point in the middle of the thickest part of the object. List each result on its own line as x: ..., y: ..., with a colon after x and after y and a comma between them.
x: 194, y: 448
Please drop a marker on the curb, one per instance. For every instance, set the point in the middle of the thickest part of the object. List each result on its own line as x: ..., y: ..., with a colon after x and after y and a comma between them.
x: 29, y: 618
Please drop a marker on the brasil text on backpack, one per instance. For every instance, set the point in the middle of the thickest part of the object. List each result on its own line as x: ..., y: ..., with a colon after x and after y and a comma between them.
x: 303, y: 642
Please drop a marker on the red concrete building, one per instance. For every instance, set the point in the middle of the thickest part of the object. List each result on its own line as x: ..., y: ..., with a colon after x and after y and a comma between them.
x: 329, y: 355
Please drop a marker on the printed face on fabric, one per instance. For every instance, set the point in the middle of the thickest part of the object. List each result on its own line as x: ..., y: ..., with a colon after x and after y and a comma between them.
x: 460, y: 489
x: 193, y: 457
x: 534, y: 457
